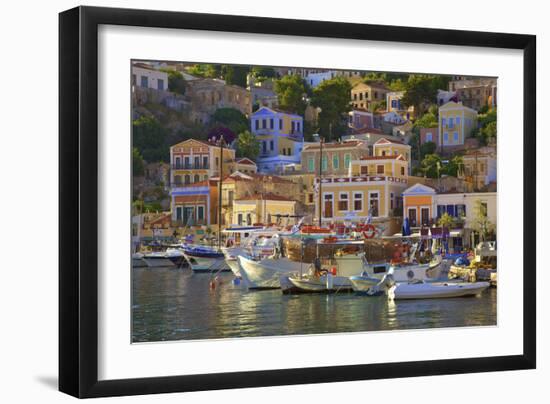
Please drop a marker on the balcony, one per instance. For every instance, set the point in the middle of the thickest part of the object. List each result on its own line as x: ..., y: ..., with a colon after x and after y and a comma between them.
x: 190, y: 166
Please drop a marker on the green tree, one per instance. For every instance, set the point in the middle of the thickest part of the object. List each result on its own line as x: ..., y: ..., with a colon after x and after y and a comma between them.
x: 427, y: 148
x: 332, y: 97
x: 421, y: 91
x: 452, y: 166
x: 138, y: 166
x: 247, y: 145
x: 481, y: 223
x: 262, y: 73
x: 205, y: 70
x: 231, y: 118
x: 149, y: 137
x: 235, y: 75
x: 431, y: 166
x: 176, y: 82
x: 445, y: 220
x: 290, y: 92
x: 428, y: 120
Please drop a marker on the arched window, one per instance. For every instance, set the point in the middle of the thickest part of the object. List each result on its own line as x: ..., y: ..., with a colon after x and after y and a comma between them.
x: 196, y: 178
x: 187, y: 179
x: 177, y: 179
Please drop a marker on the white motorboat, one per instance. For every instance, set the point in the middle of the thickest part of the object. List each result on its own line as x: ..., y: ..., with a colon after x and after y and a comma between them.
x: 258, y: 245
x: 138, y: 261
x: 157, y: 260
x: 435, y: 290
x: 205, y: 259
x: 364, y: 283
x: 265, y: 273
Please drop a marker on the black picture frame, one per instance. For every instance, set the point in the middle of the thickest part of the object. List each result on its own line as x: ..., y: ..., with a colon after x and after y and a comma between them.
x: 78, y: 201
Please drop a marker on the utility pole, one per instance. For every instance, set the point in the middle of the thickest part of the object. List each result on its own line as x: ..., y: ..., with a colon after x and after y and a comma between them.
x: 320, y: 180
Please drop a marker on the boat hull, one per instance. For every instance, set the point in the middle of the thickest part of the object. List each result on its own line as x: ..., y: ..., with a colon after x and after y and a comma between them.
x: 266, y: 273
x: 206, y: 264
x: 405, y: 291
x: 322, y: 284
x: 158, y: 262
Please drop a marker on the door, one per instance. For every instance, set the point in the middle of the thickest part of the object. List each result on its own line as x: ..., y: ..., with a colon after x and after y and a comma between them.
x: 328, y: 206
x: 425, y: 215
x: 412, y: 216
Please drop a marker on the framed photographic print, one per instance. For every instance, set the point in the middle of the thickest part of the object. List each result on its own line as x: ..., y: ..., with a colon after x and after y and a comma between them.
x: 251, y: 201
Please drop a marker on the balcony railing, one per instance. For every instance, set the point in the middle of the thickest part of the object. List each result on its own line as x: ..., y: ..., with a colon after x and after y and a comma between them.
x: 362, y: 178
x: 190, y: 166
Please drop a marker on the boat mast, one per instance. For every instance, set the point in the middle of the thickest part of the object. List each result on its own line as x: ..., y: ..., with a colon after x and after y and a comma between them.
x: 220, y: 194
x: 320, y: 180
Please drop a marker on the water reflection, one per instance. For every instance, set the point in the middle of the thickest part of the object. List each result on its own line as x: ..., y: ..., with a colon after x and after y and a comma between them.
x: 173, y: 304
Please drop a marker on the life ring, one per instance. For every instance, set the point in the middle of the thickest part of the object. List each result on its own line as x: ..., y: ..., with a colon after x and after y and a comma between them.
x: 369, y: 231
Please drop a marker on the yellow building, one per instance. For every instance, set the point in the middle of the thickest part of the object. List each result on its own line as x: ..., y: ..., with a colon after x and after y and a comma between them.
x: 262, y: 208
x: 393, y: 147
x: 337, y: 156
x: 372, y: 187
x: 195, y: 161
x: 364, y: 95
x: 456, y: 123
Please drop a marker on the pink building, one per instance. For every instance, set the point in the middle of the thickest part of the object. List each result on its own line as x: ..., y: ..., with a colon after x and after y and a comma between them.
x: 429, y: 135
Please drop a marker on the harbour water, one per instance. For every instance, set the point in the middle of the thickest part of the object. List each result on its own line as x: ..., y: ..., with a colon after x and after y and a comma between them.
x: 175, y: 304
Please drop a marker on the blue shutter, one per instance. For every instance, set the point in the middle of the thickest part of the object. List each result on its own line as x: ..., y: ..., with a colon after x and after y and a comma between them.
x: 451, y: 210
x: 440, y: 210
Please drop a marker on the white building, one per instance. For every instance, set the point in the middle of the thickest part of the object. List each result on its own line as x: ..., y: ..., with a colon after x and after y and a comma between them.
x: 143, y: 75
x: 314, y: 79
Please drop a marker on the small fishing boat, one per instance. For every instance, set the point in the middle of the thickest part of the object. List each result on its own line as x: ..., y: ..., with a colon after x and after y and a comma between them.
x: 326, y: 283
x: 176, y: 256
x: 364, y: 283
x: 435, y: 290
x: 266, y: 273
x: 205, y: 259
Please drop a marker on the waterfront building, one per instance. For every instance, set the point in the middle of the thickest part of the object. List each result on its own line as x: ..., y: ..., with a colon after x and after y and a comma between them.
x: 336, y: 159
x: 365, y: 95
x: 145, y: 76
x: 392, y: 147
x: 424, y: 206
x: 456, y: 123
x: 262, y: 208
x: 196, y: 161
x: 372, y: 187
x: 151, y: 226
x: 281, y: 138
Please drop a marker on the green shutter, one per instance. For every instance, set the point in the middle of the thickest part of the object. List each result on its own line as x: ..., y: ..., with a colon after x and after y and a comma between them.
x: 347, y: 160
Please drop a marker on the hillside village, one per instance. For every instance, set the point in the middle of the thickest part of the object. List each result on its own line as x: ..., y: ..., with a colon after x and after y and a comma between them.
x: 293, y: 142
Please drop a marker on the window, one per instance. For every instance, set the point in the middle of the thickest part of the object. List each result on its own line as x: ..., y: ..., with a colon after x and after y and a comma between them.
x: 256, y: 124
x: 271, y: 147
x: 373, y: 204
x: 311, y: 164
x: 179, y: 213
x: 357, y: 201
x: 451, y: 123
x: 187, y: 162
x: 264, y: 147
x: 160, y: 84
x: 144, y: 81
x: 455, y: 137
x: 343, y: 202
x: 280, y: 124
x: 425, y: 216
x: 310, y: 198
x: 217, y: 161
x: 402, y: 170
x: 379, y: 169
x: 200, y: 212
x: 483, y: 208
x: 445, y: 137
x: 460, y: 210
x: 443, y: 121
x: 187, y: 179
x: 271, y: 123
x: 429, y: 137
x: 457, y: 120
x: 324, y: 164
x: 298, y: 127
x: 197, y: 162
x: 178, y: 162
x: 205, y: 162
x: 361, y: 96
x: 134, y: 79
x: 177, y: 179
x: 440, y: 210
x: 292, y: 126
x: 391, y: 200
x: 240, y: 219
x: 248, y: 219
x: 347, y: 160
x: 335, y: 162
x: 196, y: 178
x: 364, y: 169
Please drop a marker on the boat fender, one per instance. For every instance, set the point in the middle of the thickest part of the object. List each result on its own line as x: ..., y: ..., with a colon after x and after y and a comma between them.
x: 369, y: 231
x: 333, y: 270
